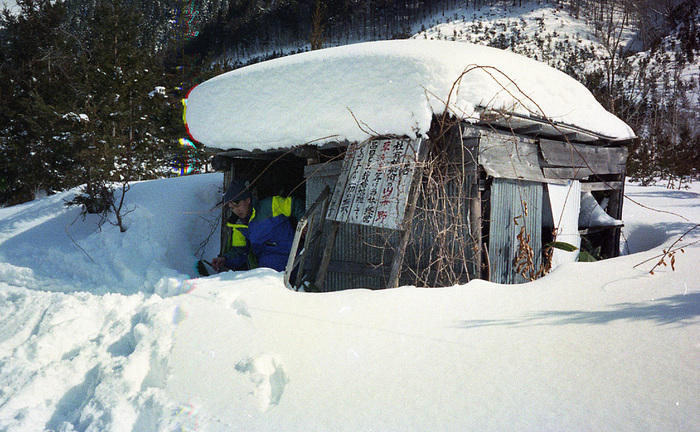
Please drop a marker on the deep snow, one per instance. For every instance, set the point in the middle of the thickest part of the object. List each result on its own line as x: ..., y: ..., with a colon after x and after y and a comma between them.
x: 107, y: 332
x: 354, y: 92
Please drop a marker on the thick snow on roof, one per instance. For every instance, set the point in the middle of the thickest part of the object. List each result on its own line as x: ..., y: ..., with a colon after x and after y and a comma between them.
x: 357, y: 91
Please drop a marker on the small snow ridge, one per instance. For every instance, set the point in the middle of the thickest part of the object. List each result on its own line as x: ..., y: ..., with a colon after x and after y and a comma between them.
x: 268, y: 374
x: 170, y: 286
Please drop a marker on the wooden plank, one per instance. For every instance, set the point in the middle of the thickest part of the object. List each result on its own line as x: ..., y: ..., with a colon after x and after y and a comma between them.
x: 580, y: 173
x: 397, y: 260
x: 615, y: 210
x: 601, y: 186
x: 325, y: 169
x: 295, y: 262
x: 600, y: 159
x: 225, y: 239
x: 311, y: 221
x: 363, y: 174
x: 510, y: 156
x: 327, y: 251
x: 475, y: 223
x: 529, y: 129
x: 470, y: 153
x: 374, y: 183
x: 338, y: 191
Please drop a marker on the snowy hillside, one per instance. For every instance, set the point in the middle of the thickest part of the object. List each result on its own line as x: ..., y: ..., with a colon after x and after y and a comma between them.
x: 675, y: 68
x: 105, y: 331
x: 539, y: 31
x: 543, y: 33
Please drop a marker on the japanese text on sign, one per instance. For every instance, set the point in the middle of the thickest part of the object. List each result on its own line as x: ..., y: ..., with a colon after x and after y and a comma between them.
x: 374, y: 183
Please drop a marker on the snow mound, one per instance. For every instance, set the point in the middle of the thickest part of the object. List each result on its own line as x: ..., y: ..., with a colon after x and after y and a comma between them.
x: 79, y: 255
x: 383, y: 88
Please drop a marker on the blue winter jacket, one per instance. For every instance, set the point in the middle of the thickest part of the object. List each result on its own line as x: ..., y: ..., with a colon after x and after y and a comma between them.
x: 267, y: 238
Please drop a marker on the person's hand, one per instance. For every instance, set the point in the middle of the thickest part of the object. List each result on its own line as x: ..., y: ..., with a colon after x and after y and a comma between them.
x: 217, y: 263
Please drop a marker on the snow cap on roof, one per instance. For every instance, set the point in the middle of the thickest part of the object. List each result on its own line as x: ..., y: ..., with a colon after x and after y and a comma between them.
x: 358, y: 91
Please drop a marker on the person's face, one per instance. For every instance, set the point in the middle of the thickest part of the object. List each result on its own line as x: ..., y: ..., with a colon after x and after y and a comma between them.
x: 241, y: 208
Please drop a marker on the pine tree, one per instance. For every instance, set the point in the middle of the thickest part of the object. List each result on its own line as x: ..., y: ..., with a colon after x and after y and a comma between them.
x: 130, y: 132
x: 89, y: 100
x: 36, y: 65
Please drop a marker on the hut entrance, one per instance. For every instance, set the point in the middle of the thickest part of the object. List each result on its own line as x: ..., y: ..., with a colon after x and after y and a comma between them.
x: 267, y: 174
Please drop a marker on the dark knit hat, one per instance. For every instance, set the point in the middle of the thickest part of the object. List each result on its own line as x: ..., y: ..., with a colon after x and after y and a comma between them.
x: 237, y: 191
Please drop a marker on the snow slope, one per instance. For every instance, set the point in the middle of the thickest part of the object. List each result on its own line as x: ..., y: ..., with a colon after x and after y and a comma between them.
x: 105, y: 331
x: 538, y: 31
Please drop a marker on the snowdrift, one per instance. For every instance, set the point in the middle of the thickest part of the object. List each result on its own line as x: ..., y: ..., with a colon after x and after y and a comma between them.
x: 108, y: 331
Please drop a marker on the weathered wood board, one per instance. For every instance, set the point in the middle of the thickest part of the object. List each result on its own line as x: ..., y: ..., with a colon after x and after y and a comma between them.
x: 510, y: 156
x: 594, y: 159
x: 374, y: 183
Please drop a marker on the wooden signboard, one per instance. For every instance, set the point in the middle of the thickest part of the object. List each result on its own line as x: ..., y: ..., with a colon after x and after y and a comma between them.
x: 374, y: 183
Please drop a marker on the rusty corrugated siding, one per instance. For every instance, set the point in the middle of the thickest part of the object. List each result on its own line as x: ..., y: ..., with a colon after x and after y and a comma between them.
x: 509, y: 201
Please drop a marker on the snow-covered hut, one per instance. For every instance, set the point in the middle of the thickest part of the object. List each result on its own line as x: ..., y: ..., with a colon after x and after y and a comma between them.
x: 422, y: 162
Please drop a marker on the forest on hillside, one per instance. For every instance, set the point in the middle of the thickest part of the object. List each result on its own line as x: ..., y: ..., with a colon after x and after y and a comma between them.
x: 239, y: 29
x: 92, y: 89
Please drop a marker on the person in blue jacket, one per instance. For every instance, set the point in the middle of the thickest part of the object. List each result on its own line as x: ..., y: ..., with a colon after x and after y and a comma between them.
x: 262, y: 230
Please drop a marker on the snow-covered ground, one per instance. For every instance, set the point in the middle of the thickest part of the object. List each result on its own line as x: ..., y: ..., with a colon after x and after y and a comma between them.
x: 106, y: 331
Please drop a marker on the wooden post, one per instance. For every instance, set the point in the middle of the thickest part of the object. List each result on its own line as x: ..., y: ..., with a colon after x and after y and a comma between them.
x: 611, y: 245
x: 226, y: 212
x: 475, y: 225
x: 397, y: 261
x: 312, y: 224
x: 327, y: 252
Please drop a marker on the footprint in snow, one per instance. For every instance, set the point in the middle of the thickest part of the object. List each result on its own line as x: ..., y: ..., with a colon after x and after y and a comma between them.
x: 240, y: 307
x: 232, y: 300
x: 268, y: 374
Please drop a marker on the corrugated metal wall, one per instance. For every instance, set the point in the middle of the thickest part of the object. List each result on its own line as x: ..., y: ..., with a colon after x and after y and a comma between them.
x: 514, y: 204
x: 431, y: 259
x: 361, y: 246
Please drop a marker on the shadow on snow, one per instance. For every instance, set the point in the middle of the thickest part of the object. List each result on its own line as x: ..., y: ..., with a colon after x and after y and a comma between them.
x: 681, y: 310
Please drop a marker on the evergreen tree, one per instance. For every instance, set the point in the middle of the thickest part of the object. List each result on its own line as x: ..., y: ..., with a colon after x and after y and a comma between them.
x: 89, y: 101
x: 131, y: 123
x: 36, y: 64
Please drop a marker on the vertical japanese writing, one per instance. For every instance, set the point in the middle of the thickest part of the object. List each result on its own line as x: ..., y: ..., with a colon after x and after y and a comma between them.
x: 355, y: 171
x: 334, y: 204
x: 360, y: 204
x: 374, y: 185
